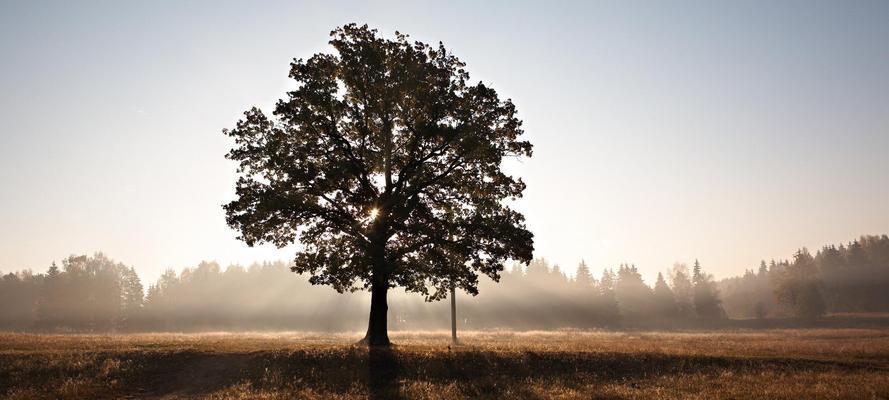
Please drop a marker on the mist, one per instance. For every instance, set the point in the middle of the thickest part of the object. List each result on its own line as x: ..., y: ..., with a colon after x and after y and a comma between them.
x: 98, y: 294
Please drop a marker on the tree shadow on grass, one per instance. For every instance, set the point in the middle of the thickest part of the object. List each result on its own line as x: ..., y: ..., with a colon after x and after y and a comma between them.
x: 384, y: 373
x: 383, y: 370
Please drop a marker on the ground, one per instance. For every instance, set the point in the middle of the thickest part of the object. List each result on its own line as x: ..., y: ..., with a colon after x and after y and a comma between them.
x: 752, y: 364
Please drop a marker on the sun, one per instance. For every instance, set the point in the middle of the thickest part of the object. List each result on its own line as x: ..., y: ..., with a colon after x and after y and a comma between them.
x: 374, y: 212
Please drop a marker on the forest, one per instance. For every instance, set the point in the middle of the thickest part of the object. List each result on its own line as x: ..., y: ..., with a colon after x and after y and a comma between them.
x: 97, y: 294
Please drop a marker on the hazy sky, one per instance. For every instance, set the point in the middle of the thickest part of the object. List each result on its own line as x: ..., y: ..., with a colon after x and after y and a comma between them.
x: 664, y: 131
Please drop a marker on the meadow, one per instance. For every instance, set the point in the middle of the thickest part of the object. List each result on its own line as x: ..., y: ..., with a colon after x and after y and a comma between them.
x: 736, y: 364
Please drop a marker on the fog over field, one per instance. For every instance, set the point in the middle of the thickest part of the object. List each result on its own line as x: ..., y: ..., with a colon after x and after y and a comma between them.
x: 97, y: 294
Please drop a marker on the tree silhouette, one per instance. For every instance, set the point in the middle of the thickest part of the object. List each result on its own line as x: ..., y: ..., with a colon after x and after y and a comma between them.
x: 683, y: 290
x: 609, y: 307
x: 49, y: 299
x: 385, y: 165
x: 583, y: 279
x: 800, y: 286
x: 633, y: 295
x: 706, y: 295
x: 664, y: 299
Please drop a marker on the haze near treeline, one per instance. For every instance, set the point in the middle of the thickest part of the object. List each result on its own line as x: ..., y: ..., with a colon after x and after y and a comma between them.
x: 664, y: 133
x: 95, y: 293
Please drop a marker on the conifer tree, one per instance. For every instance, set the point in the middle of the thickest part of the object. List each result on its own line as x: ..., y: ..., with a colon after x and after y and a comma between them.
x: 706, y: 297
x: 583, y: 279
x: 664, y: 299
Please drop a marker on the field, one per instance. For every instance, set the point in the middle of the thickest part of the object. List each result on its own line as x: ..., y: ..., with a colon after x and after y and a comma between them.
x: 764, y: 364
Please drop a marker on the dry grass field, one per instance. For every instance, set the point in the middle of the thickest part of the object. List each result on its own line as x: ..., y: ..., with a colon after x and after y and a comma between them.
x: 768, y: 364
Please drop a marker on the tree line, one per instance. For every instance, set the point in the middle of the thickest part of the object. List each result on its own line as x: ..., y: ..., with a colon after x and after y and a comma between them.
x: 852, y: 277
x: 86, y: 294
x: 96, y: 293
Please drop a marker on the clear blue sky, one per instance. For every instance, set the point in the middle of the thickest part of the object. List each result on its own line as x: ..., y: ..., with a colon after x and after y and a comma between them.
x: 664, y: 131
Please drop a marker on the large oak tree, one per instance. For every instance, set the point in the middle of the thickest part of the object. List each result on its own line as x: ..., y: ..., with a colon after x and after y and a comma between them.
x: 385, y: 166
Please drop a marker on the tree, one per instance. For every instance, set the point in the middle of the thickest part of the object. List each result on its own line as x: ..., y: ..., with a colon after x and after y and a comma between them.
x: 664, y: 300
x: 763, y: 270
x: 683, y: 290
x: 759, y: 310
x: 697, y: 276
x: 131, y: 296
x: 50, y: 297
x: 583, y: 279
x: 556, y: 277
x: 632, y: 294
x: 610, y: 310
x: 834, y: 272
x: 538, y: 270
x: 18, y: 297
x: 800, y: 286
x: 706, y: 296
x: 385, y: 165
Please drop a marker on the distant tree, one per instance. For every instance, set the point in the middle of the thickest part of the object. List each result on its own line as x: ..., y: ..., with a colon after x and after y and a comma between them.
x: 53, y: 271
x: 683, y: 290
x: 835, y: 274
x: 609, y: 306
x: 664, y: 299
x: 385, y: 164
x: 864, y: 284
x: 538, y: 270
x: 800, y: 287
x: 583, y: 279
x: 132, y: 296
x: 759, y: 310
x: 763, y: 270
x: 697, y: 274
x: 584, y: 302
x: 706, y: 296
x: 633, y: 295
x: 856, y: 255
x: 557, y: 277
x: 19, y: 296
x: 48, y: 305
x: 765, y: 299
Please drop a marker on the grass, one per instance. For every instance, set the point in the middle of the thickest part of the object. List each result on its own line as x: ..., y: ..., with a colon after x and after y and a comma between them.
x: 782, y: 364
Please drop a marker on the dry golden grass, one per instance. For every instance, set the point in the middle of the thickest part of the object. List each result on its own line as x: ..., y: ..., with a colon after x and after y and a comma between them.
x: 788, y: 364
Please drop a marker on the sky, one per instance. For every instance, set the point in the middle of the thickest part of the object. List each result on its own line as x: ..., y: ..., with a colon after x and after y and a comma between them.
x: 664, y: 131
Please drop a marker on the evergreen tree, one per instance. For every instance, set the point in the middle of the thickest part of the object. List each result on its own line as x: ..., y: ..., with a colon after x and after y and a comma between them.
x: 609, y: 306
x: 706, y: 297
x: 697, y: 275
x: 632, y: 294
x: 557, y: 277
x: 50, y: 297
x: 538, y: 270
x: 763, y: 270
x: 132, y: 297
x: 683, y: 290
x: 583, y: 278
x: 800, y: 287
x: 664, y: 299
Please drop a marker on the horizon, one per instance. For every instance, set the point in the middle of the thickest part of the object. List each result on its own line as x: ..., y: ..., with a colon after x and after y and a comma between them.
x: 728, y: 133
x: 569, y: 271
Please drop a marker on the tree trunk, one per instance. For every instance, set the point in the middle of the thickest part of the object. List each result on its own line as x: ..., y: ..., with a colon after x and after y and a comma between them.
x: 377, y: 325
x: 377, y: 329
x: 453, y: 316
